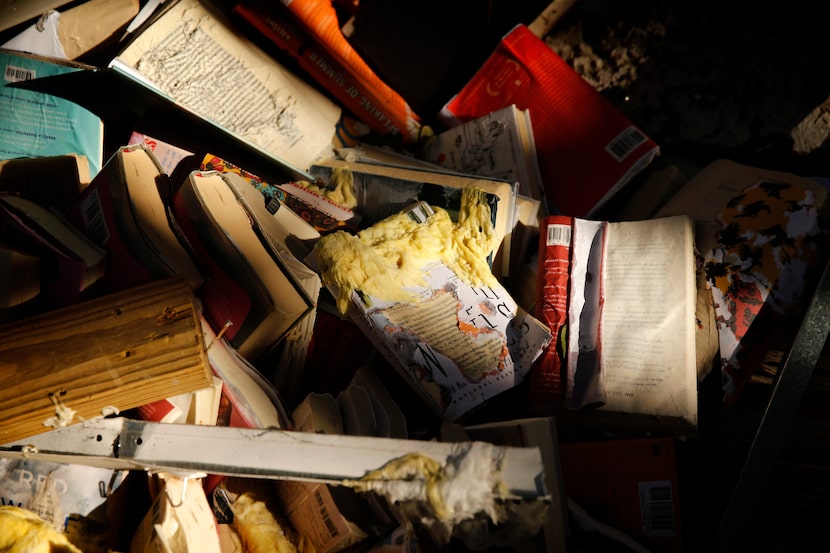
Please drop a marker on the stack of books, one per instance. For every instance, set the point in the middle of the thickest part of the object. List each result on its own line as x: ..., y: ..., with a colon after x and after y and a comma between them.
x: 248, y: 233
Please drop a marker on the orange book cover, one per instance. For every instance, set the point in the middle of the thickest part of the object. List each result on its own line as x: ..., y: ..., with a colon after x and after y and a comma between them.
x: 319, y: 19
x: 310, y: 33
x: 587, y: 149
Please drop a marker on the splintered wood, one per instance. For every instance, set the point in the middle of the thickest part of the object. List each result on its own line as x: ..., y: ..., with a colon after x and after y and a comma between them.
x: 98, y: 357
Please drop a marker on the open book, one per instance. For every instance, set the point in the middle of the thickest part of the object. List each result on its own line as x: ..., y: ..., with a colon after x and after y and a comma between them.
x: 631, y: 298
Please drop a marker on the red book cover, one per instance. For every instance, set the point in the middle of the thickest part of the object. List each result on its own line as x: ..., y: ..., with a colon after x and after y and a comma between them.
x: 587, y: 149
x: 310, y: 33
x: 546, y: 390
x: 629, y: 484
x: 162, y: 410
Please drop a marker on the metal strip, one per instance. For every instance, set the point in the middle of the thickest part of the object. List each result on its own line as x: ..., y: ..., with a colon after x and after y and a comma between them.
x: 787, y: 392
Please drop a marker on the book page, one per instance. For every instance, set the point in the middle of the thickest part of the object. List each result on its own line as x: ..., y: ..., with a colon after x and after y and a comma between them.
x: 204, y: 65
x: 648, y: 318
x: 585, y: 386
x: 458, y: 344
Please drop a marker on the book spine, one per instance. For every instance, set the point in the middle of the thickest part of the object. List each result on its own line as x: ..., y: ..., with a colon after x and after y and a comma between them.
x: 547, y: 392
x: 309, y: 31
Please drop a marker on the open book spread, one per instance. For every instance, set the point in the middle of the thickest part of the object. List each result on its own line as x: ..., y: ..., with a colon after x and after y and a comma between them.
x: 630, y: 316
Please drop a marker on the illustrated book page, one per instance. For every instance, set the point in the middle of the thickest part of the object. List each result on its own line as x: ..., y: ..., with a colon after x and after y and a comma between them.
x: 493, y: 145
x: 458, y: 344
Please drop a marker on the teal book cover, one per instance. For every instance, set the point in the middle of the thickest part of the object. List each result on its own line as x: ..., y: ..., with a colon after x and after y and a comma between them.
x: 34, y: 124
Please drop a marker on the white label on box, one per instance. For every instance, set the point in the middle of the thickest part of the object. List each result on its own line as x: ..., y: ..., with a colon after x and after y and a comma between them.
x: 657, y: 508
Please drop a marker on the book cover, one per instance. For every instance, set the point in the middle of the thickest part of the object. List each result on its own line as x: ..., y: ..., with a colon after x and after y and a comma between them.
x: 127, y: 210
x: 547, y: 378
x: 168, y: 155
x: 329, y: 60
x: 763, y: 237
x: 75, y: 31
x: 457, y: 341
x: 39, y: 124
x: 587, y: 149
x: 319, y: 18
x: 13, y: 12
x: 145, y: 108
x: 254, y: 284
x: 629, y: 484
x: 194, y: 55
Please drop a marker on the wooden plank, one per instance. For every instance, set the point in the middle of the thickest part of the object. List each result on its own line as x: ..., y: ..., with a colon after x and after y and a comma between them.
x: 122, y: 350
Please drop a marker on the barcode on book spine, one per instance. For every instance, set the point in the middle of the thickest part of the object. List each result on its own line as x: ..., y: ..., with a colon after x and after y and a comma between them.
x: 324, y: 513
x: 657, y: 508
x: 15, y: 74
x: 625, y: 143
x: 93, y: 215
x: 559, y: 235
